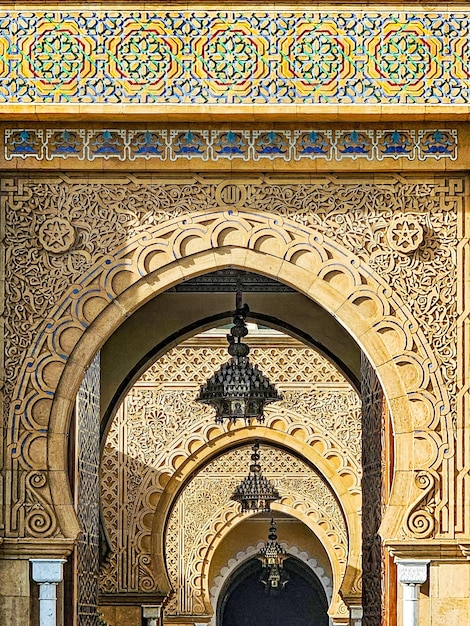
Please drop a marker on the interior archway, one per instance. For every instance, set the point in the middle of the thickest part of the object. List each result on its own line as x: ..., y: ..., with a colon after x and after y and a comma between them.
x: 302, y: 602
x: 150, y: 331
x: 198, y: 442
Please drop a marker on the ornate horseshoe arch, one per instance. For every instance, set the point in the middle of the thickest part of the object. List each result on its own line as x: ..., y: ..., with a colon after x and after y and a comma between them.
x: 336, y: 605
x: 163, y: 255
x: 334, y: 528
x: 349, y: 563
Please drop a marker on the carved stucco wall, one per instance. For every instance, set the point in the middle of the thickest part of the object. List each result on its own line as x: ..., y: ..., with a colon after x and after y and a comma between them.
x: 159, y: 424
x: 387, y: 243
x: 87, y: 494
x: 374, y: 496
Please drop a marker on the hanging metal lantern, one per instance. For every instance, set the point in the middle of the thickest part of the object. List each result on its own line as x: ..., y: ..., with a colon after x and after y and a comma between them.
x: 272, y: 556
x: 238, y: 389
x: 255, y: 493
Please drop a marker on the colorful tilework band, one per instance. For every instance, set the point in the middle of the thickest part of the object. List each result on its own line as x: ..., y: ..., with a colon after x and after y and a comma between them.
x: 198, y: 57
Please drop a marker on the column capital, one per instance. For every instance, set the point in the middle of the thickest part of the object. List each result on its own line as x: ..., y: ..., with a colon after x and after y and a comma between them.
x: 153, y: 611
x: 412, y: 571
x: 356, y: 614
x: 153, y: 614
x: 47, y: 570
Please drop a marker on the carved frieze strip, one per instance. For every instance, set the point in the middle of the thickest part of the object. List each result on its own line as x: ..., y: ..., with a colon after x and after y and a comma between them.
x: 236, y: 145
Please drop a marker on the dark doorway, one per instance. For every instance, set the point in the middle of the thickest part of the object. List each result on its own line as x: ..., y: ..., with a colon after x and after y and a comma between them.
x: 301, y: 603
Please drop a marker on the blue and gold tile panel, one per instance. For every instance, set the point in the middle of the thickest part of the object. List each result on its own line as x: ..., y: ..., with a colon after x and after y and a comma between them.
x: 231, y: 144
x: 24, y: 143
x: 65, y: 143
x: 244, y: 145
x: 229, y: 56
x: 188, y: 144
x: 312, y: 144
x: 354, y: 144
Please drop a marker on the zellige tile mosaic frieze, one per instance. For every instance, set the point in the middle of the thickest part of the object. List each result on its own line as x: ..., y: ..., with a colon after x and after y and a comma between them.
x: 199, y: 57
x: 214, y: 145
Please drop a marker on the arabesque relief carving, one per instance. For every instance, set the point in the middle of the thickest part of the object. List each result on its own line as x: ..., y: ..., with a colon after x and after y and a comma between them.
x: 159, y: 424
x: 374, y: 496
x: 333, y: 226
x: 204, y: 509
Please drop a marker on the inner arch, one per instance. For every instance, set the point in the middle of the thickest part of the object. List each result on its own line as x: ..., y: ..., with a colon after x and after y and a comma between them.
x: 194, y: 305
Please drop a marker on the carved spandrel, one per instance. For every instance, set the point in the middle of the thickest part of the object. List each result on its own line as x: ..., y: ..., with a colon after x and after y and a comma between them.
x: 351, y: 211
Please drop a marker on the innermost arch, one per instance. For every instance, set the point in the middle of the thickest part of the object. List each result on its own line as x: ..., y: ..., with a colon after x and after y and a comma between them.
x: 302, y: 602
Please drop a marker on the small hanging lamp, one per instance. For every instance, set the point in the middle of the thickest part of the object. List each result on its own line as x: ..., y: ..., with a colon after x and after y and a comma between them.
x: 272, y: 556
x: 255, y: 493
x: 238, y: 389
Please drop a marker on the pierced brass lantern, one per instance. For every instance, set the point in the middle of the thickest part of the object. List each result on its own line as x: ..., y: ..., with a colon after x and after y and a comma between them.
x: 255, y: 493
x: 238, y: 389
x: 272, y: 556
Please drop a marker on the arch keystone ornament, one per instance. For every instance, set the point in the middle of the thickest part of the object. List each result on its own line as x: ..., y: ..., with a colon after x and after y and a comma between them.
x: 323, y: 253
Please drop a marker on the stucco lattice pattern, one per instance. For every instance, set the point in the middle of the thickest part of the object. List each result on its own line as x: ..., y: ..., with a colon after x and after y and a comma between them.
x: 294, y: 364
x: 88, y: 496
x: 229, y: 56
x: 373, y: 496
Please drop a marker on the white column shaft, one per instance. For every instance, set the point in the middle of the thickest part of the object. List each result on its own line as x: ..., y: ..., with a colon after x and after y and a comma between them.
x: 410, y: 605
x: 47, y: 604
x: 47, y: 573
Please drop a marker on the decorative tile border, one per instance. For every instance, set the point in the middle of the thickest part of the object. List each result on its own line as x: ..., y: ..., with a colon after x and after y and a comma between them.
x: 245, y: 145
x: 230, y: 56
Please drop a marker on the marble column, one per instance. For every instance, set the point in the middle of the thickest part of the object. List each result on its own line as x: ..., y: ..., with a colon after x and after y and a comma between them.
x: 152, y: 614
x: 412, y: 573
x: 355, y: 615
x: 47, y: 573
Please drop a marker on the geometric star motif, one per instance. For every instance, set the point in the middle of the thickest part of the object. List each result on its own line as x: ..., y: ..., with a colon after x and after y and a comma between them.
x: 405, y: 233
x: 57, y: 235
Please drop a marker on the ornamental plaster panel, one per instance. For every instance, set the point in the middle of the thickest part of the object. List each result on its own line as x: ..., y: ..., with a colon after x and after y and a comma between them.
x: 330, y: 227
